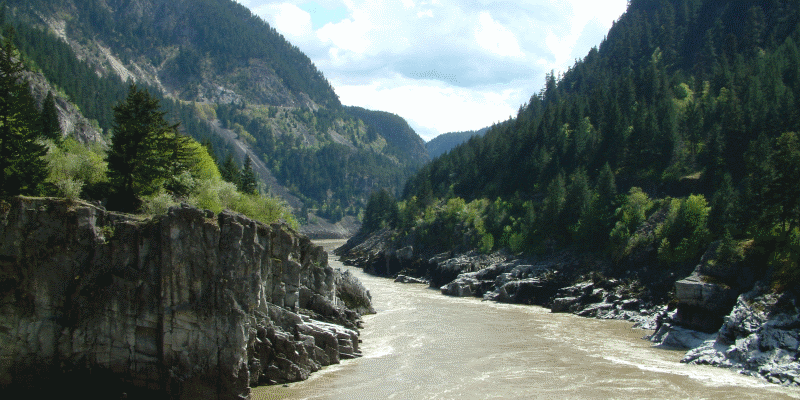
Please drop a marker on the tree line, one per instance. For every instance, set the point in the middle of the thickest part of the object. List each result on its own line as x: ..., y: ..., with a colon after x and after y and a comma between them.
x: 149, y: 166
x: 678, y: 131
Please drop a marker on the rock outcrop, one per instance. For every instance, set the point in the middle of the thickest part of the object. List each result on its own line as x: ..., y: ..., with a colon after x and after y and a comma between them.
x: 186, y: 305
x: 760, y: 336
x: 701, y: 304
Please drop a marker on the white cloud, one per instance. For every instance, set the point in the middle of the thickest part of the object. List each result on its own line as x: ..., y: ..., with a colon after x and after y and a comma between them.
x: 496, y: 38
x: 290, y: 19
x: 348, y: 35
x: 431, y: 106
x: 444, y: 65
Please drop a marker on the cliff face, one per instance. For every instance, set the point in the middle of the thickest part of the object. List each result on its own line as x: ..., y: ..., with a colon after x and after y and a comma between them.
x: 187, y: 305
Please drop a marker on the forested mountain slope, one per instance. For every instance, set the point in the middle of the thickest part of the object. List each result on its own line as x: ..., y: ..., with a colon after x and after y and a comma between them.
x: 447, y: 141
x: 230, y: 80
x: 678, y: 132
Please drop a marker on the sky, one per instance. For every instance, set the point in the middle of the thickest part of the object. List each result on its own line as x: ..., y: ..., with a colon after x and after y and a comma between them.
x: 443, y: 65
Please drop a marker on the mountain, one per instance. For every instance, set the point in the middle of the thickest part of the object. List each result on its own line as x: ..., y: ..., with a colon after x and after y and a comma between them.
x: 662, y: 169
x: 401, y: 138
x: 671, y: 101
x: 672, y: 144
x: 231, y: 81
x: 447, y: 141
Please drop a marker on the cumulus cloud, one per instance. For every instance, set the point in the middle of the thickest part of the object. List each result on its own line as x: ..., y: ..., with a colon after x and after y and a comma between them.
x: 444, y: 65
x: 495, y: 37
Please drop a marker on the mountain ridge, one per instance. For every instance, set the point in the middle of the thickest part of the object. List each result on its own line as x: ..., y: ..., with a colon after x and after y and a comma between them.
x: 447, y: 141
x: 265, y: 97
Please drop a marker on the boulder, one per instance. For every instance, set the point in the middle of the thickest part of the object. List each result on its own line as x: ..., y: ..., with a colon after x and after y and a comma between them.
x: 702, y: 304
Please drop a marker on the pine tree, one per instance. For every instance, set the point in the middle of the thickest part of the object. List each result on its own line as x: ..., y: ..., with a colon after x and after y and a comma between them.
x: 22, y: 168
x: 50, y: 125
x: 381, y: 211
x: 247, y: 178
x: 145, y: 151
x: 229, y: 170
x: 782, y: 199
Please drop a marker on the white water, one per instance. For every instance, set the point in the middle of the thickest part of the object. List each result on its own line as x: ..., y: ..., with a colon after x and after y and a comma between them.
x: 423, y: 345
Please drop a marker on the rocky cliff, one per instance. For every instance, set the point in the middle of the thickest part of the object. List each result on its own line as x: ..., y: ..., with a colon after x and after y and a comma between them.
x: 185, y: 305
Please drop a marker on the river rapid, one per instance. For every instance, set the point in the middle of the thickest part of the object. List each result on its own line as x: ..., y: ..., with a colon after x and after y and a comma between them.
x: 424, y: 345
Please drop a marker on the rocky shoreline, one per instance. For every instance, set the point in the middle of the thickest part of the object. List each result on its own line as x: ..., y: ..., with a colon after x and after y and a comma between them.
x: 756, y: 333
x: 189, y: 305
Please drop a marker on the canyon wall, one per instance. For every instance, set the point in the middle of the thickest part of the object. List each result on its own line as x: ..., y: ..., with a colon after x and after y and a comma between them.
x: 186, y: 305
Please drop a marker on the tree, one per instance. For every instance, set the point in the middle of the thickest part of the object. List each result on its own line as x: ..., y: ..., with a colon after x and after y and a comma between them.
x: 22, y: 166
x: 50, y: 125
x: 247, y: 179
x: 229, y: 170
x: 781, y: 202
x: 381, y: 211
x: 145, y: 151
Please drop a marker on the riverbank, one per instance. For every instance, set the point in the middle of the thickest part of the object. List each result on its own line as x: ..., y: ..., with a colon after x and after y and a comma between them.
x: 423, y: 345
x: 694, y: 313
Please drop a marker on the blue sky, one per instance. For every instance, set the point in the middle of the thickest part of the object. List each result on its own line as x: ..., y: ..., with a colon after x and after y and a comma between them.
x: 443, y: 65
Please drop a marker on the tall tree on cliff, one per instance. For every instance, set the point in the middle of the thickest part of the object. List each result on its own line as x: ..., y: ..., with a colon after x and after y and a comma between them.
x: 22, y: 168
x: 146, y: 150
x: 247, y: 179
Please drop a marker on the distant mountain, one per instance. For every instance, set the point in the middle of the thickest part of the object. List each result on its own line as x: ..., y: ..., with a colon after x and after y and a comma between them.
x: 231, y: 80
x: 403, y: 141
x: 447, y: 141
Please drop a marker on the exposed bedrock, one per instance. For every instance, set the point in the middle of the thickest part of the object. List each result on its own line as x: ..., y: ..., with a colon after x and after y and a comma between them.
x: 187, y: 305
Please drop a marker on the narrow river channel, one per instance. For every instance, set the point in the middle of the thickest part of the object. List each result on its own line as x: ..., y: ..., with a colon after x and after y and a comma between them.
x: 423, y: 345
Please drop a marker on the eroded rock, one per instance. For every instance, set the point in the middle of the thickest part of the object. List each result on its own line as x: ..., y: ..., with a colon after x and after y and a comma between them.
x: 187, y: 305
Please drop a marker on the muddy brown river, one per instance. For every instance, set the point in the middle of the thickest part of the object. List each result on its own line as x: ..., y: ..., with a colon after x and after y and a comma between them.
x: 423, y: 345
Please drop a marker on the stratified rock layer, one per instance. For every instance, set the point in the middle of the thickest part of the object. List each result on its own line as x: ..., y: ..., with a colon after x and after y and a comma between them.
x: 187, y: 305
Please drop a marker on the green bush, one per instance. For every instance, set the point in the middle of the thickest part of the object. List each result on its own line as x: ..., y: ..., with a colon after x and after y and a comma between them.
x: 157, y: 203
x: 685, y: 232
x: 72, y: 166
x: 630, y: 215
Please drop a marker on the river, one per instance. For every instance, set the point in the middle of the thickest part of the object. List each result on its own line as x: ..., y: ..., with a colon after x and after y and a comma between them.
x: 423, y: 345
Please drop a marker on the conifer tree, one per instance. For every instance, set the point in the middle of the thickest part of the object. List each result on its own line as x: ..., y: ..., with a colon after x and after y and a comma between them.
x: 22, y: 168
x: 229, y: 170
x: 781, y: 202
x: 146, y: 150
x: 50, y: 126
x: 247, y: 178
x: 381, y: 211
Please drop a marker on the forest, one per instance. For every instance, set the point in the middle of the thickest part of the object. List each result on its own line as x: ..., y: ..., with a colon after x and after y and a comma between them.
x: 148, y: 167
x: 328, y: 156
x: 677, y: 136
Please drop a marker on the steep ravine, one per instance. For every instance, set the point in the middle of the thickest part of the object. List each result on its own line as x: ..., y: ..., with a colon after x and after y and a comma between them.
x: 186, y: 305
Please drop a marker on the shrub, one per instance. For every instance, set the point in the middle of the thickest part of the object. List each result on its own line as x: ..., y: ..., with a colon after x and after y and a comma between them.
x: 685, y: 232
x: 157, y: 203
x: 73, y: 165
x: 630, y: 215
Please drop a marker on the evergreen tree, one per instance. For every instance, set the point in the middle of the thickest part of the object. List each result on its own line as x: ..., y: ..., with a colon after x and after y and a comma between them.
x: 50, y: 125
x: 22, y: 168
x: 145, y: 151
x: 782, y: 200
x: 229, y: 170
x: 247, y: 179
x: 381, y: 211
